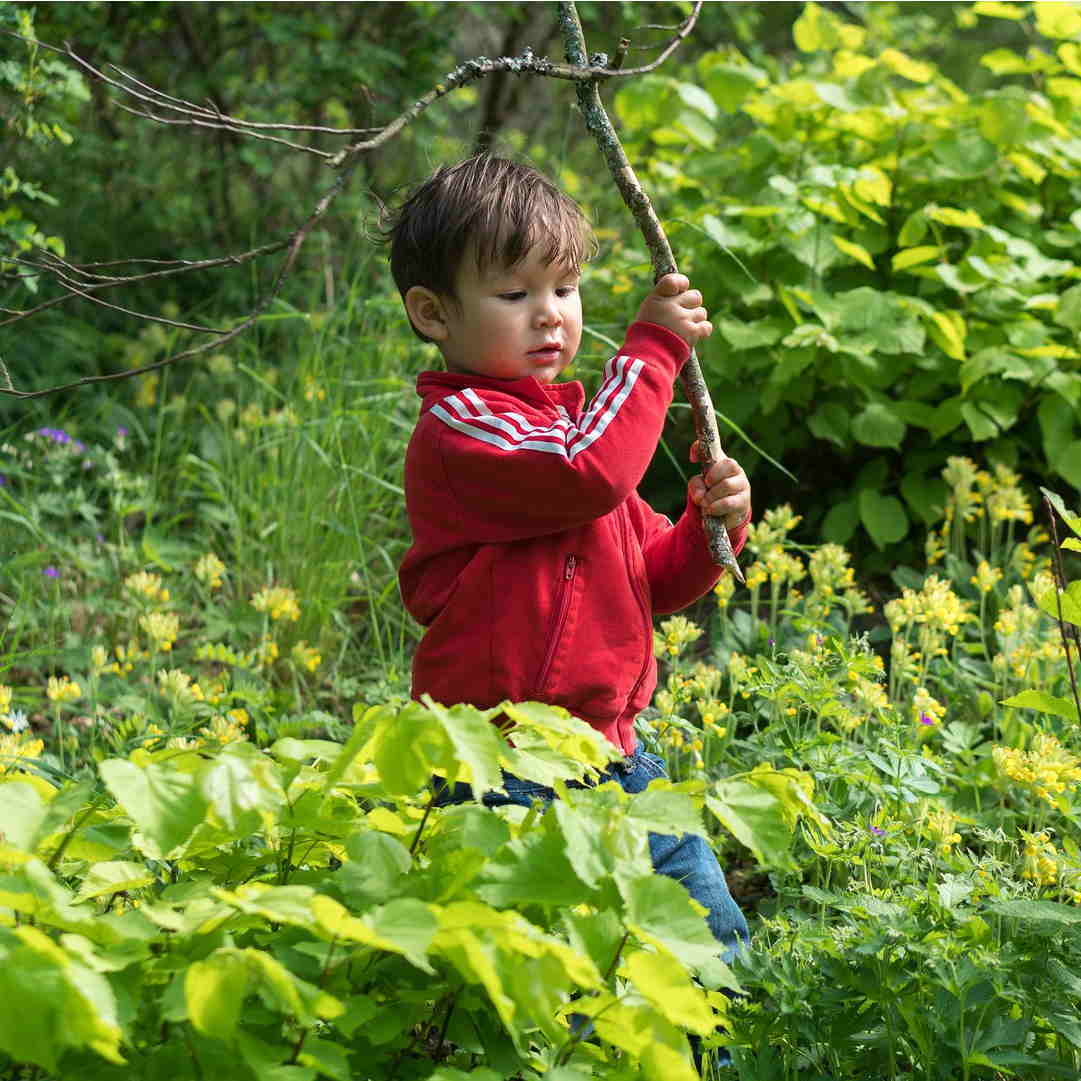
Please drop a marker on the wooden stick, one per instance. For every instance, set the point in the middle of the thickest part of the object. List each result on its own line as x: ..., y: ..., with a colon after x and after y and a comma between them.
x: 694, y: 385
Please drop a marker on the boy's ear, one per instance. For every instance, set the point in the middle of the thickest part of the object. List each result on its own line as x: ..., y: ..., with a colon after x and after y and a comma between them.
x: 427, y: 311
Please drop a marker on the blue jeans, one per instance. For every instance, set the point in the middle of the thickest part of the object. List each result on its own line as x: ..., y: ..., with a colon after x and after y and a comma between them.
x: 687, y: 859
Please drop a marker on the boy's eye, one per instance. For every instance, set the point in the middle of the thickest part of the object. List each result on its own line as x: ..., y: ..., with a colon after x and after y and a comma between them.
x: 566, y: 290
x: 515, y: 294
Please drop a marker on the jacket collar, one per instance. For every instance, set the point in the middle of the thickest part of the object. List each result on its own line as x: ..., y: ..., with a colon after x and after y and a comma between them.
x: 433, y: 386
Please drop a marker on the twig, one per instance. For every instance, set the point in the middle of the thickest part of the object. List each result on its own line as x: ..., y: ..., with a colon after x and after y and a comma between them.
x: 694, y: 385
x: 1060, y: 585
x: 585, y: 74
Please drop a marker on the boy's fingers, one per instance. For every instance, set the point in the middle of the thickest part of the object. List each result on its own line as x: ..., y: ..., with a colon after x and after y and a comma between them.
x: 671, y: 285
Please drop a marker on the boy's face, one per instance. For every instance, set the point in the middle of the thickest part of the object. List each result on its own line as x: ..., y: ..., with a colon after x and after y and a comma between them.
x: 513, y: 322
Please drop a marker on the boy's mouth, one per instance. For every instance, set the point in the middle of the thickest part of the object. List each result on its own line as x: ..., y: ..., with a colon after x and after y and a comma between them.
x: 546, y: 352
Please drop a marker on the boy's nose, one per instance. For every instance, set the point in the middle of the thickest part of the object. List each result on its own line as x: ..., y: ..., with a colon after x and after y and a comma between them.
x: 548, y: 315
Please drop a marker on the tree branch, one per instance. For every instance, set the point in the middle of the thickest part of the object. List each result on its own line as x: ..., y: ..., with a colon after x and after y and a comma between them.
x: 694, y: 385
x: 82, y: 282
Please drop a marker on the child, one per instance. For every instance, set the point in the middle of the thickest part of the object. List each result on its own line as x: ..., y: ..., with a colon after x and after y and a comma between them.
x: 536, y: 568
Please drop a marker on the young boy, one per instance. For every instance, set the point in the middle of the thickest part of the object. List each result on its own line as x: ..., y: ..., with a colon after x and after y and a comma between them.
x: 536, y: 568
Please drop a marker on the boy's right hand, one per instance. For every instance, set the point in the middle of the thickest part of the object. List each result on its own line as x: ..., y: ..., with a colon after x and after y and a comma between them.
x: 675, y: 305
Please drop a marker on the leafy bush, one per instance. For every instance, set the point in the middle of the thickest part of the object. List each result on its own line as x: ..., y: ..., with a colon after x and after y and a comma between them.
x: 889, y: 255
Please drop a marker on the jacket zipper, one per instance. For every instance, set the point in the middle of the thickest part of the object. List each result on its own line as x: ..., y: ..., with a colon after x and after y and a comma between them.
x: 647, y: 615
x: 570, y: 567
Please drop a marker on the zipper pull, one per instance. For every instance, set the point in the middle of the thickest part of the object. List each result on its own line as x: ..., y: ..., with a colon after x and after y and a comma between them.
x: 569, y: 566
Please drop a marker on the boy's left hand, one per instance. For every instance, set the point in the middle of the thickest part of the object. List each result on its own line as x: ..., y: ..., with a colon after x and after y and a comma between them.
x: 723, y: 491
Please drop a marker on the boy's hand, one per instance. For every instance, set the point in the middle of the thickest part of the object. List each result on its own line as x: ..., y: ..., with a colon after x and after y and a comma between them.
x: 722, y: 491
x: 675, y: 305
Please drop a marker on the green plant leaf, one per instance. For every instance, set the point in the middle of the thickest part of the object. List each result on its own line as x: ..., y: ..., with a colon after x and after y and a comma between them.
x: 165, y: 804
x: 883, y: 517
x: 878, y: 425
x: 215, y: 990
x: 661, y: 979
x: 1043, y: 702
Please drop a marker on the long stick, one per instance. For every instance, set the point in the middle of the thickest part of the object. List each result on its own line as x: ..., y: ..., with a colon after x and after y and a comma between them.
x: 694, y: 385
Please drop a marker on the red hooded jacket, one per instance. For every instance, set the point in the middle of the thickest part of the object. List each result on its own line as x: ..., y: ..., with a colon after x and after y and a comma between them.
x: 536, y: 568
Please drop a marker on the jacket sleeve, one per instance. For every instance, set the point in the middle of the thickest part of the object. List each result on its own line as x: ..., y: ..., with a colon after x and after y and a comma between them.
x: 505, y: 478
x: 678, y: 564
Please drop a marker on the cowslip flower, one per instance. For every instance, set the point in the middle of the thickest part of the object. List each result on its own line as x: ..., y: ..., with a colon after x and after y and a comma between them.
x: 5, y: 698
x: 985, y: 577
x: 147, y: 585
x: 306, y: 656
x: 16, y: 749
x: 162, y: 627
x: 62, y: 689
x: 278, y: 601
x: 209, y: 569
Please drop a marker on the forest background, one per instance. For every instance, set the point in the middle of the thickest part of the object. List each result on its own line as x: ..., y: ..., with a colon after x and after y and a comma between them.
x: 880, y: 202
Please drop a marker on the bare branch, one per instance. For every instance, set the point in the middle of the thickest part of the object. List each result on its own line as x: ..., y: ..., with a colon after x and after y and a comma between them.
x: 83, y: 282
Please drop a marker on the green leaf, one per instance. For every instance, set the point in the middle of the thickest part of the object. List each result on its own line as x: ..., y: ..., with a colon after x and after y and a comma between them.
x: 910, y: 257
x: 1044, y: 703
x: 815, y: 29
x: 660, y: 912
x: 662, y: 980
x: 1068, y: 311
x: 830, y: 421
x: 1067, y: 600
x: 1073, y: 521
x: 761, y: 332
x: 883, y: 517
x: 215, y: 990
x: 1069, y: 465
x: 405, y: 926
x: 877, y: 425
x: 165, y: 804
x: 242, y: 789
x: 1057, y: 20
x: 54, y: 1003
x: 1037, y: 911
x: 111, y: 877
x: 475, y: 743
x: 728, y: 84
x: 854, y: 251
x: 841, y: 521
x: 22, y: 814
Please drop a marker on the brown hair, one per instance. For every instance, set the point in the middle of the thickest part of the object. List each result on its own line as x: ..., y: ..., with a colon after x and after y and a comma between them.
x: 492, y: 207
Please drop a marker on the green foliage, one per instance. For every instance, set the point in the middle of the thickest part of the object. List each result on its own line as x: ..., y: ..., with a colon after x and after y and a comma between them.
x: 36, y: 95
x: 888, y: 252
x: 303, y: 910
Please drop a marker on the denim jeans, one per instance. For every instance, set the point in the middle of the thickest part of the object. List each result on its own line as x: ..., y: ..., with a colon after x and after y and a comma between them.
x: 687, y: 859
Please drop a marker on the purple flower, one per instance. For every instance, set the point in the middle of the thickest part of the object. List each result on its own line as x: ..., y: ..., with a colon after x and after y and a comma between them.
x: 3, y: 480
x: 58, y: 435
x: 878, y: 831
x: 121, y: 432
x: 51, y: 572
x: 926, y: 718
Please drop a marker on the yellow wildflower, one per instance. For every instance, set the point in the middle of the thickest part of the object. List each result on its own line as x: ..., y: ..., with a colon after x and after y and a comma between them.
x: 1040, y: 865
x: 724, y: 589
x: 985, y: 577
x: 209, y: 569
x: 266, y: 652
x: 62, y: 690
x: 179, y: 686
x: 925, y: 709
x: 5, y: 698
x: 99, y: 659
x: 306, y: 656
x: 1048, y: 768
x: 940, y: 827
x: 162, y: 627
x: 227, y: 729
x: 675, y: 633
x: 147, y: 585
x: 17, y: 748
x: 279, y: 601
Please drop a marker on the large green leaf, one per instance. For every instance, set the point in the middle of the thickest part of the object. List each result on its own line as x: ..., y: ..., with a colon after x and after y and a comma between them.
x: 215, y: 989
x: 165, y: 803
x: 878, y: 425
x: 883, y: 517
x: 1043, y: 702
x: 53, y: 1002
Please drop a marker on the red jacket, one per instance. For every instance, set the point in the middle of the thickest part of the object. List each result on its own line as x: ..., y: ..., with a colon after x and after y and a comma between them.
x: 536, y: 568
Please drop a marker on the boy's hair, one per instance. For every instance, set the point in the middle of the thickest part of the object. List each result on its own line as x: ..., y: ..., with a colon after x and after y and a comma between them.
x: 495, y: 209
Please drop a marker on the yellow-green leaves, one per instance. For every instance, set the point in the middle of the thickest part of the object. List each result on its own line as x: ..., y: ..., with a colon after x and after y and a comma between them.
x: 855, y: 251
x: 52, y: 1002
x: 762, y: 809
x: 818, y: 29
x: 1057, y: 20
